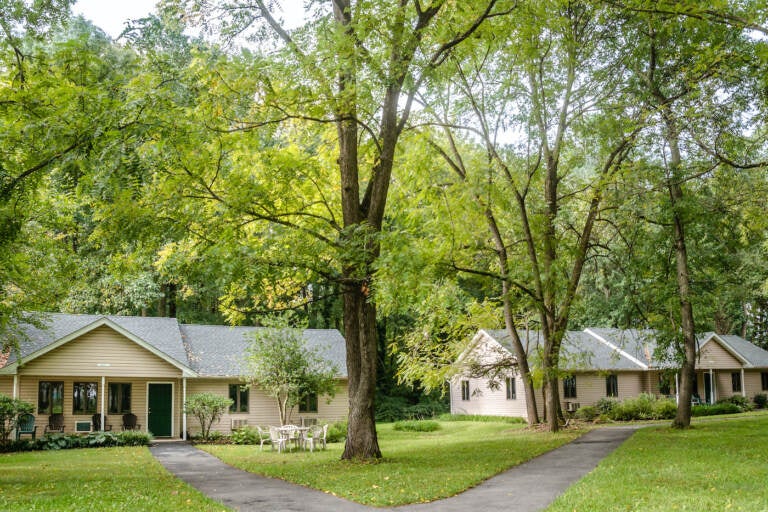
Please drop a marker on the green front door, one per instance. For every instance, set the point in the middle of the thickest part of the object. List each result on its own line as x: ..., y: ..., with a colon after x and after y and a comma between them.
x: 160, y: 410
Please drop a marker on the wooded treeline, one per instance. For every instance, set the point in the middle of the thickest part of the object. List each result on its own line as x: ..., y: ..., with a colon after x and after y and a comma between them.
x: 404, y: 171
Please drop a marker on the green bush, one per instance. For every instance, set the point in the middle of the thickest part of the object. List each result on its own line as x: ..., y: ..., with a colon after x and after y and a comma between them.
x: 712, y: 410
x: 395, y: 408
x: 417, y: 425
x: 481, y: 418
x: 337, y: 432
x: 134, y: 438
x: 741, y: 402
x: 761, y: 400
x: 10, y: 410
x: 587, y: 413
x: 208, y: 408
x: 245, y: 435
x: 665, y: 409
x: 606, y: 405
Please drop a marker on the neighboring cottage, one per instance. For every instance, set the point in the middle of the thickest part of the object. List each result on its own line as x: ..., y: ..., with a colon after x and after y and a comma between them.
x: 81, y: 365
x: 614, y: 363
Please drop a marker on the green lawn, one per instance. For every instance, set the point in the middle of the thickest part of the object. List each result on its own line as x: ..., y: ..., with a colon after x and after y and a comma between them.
x: 417, y: 466
x: 94, y: 479
x: 719, y: 464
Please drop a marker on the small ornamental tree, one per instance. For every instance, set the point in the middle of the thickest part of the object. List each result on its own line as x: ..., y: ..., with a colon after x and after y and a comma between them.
x: 208, y: 409
x: 10, y: 409
x: 280, y: 363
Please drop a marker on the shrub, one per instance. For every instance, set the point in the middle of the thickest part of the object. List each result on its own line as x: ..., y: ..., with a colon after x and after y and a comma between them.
x: 741, y: 402
x: 10, y: 409
x: 208, y: 409
x: 417, y: 426
x: 134, y: 438
x: 482, y: 418
x: 761, y: 400
x: 391, y: 408
x: 712, y: 410
x: 587, y: 413
x: 665, y: 410
x: 337, y: 432
x: 245, y: 435
x: 606, y: 405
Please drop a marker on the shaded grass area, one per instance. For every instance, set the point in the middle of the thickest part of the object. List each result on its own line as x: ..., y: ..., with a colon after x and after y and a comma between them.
x: 715, y: 465
x: 417, y: 466
x: 94, y: 479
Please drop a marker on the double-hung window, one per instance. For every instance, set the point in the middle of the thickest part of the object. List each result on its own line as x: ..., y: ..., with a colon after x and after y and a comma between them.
x: 612, y: 385
x: 764, y: 380
x: 511, y: 391
x: 308, y: 403
x: 736, y: 381
x: 569, y: 387
x: 119, y: 398
x: 50, y: 397
x: 239, y: 396
x: 465, y: 390
x: 84, y: 395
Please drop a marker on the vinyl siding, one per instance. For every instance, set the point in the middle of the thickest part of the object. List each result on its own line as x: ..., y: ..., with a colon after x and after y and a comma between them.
x: 713, y: 355
x: 262, y: 409
x: 6, y: 385
x: 90, y: 353
x: 753, y: 384
x: 486, y: 401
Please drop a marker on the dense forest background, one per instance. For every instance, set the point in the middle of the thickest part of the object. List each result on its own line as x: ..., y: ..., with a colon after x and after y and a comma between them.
x: 547, y: 162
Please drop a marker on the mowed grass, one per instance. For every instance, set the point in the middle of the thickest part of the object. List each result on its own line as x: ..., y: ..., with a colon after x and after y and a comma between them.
x: 103, y: 479
x: 417, y: 466
x: 715, y: 465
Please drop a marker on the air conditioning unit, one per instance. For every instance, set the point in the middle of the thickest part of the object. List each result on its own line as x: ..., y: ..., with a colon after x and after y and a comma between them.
x: 572, y: 406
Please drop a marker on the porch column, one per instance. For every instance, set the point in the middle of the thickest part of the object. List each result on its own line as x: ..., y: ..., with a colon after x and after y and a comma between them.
x: 16, y: 386
x: 677, y: 388
x: 103, y: 400
x: 743, y: 384
x: 183, y: 408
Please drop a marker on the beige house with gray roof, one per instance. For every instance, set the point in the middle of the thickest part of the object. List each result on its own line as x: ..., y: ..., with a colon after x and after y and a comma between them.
x: 86, y: 365
x: 615, y: 363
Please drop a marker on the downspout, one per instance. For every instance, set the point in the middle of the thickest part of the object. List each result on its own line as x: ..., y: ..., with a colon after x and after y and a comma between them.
x: 103, y: 405
x: 16, y: 386
x: 183, y: 408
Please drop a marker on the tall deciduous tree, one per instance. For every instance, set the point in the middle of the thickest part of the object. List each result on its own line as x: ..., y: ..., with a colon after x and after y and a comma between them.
x: 357, y: 68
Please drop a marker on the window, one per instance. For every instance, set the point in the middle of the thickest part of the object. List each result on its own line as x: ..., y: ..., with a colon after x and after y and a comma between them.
x: 50, y: 397
x: 308, y: 403
x: 736, y: 381
x: 764, y: 379
x: 612, y: 385
x: 665, y: 386
x: 84, y: 397
x: 239, y: 396
x: 465, y: 390
x: 119, y: 398
x: 511, y: 391
x: 569, y: 387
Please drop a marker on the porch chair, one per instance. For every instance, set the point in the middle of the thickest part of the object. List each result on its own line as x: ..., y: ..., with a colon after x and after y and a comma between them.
x: 129, y: 422
x: 25, y: 424
x: 96, y: 423
x: 55, y: 423
x: 277, y: 439
x: 316, y: 437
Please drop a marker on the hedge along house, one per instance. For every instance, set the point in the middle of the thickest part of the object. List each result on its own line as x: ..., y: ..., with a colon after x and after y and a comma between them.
x: 81, y: 365
x: 600, y: 363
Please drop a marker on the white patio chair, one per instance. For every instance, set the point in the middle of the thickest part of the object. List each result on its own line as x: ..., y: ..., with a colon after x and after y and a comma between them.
x: 263, y: 436
x: 317, y: 435
x: 277, y: 439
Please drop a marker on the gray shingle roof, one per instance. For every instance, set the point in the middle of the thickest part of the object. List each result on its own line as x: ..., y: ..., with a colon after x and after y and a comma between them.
x: 581, y: 351
x: 217, y: 350
x: 210, y: 350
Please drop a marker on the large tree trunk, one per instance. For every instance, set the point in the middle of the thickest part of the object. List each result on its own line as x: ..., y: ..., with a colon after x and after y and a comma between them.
x: 360, y: 332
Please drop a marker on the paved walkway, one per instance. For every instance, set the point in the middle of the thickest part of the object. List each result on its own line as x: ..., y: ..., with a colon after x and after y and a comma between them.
x: 525, y: 488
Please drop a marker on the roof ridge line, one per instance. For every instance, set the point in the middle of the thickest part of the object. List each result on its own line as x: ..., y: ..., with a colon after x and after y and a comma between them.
x: 632, y: 358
